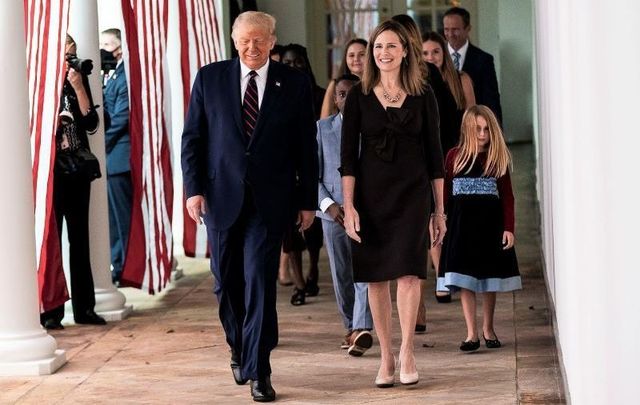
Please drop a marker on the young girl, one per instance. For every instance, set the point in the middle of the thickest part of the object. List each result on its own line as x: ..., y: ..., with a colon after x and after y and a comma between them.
x: 478, y: 254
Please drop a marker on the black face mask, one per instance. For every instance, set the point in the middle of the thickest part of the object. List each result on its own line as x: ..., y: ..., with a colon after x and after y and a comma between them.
x: 107, y: 60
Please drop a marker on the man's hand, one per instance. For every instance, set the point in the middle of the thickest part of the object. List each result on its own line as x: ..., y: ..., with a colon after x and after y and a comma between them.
x: 305, y: 219
x: 336, y: 213
x: 196, y: 207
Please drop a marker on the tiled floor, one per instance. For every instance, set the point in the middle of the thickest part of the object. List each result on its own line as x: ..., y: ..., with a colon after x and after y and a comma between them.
x: 172, y: 351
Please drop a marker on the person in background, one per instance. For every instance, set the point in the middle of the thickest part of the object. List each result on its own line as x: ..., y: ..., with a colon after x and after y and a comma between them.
x: 118, y: 148
x: 471, y: 59
x: 459, y: 84
x: 276, y: 53
x: 390, y: 153
x: 446, y: 113
x: 351, y: 297
x: 478, y: 254
x: 72, y: 191
x: 296, y: 56
x: 352, y: 63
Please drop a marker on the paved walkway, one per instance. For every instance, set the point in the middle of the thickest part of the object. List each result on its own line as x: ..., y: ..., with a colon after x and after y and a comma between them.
x: 172, y: 350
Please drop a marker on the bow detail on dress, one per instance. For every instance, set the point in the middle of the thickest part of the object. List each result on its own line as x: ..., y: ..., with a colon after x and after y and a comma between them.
x: 384, y: 142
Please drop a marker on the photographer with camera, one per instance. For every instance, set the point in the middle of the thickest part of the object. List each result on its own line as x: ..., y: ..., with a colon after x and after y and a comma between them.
x: 75, y: 167
x: 118, y: 148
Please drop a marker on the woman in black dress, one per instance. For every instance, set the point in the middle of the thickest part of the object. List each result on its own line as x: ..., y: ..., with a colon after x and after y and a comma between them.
x: 294, y: 243
x: 390, y: 153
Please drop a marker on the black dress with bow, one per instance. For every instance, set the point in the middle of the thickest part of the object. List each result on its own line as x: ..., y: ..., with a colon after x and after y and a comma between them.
x: 393, y: 154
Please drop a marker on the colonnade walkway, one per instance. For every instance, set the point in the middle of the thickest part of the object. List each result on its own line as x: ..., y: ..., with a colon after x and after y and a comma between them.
x: 172, y: 349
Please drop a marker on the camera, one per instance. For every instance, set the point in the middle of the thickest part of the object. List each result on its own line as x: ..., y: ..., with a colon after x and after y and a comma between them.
x: 84, y: 66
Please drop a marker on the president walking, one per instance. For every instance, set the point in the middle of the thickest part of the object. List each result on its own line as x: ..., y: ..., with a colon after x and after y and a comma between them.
x: 250, y: 166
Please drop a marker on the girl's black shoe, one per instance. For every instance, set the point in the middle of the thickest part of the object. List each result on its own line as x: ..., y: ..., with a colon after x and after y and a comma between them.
x: 491, y: 343
x: 470, y: 345
x: 298, y: 297
x: 443, y: 299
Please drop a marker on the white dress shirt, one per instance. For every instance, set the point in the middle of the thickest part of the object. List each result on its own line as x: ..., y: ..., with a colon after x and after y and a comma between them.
x: 261, y: 80
x: 462, y: 51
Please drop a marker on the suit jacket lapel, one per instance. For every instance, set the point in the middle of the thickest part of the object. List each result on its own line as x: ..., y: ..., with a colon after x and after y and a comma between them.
x: 272, y: 93
x: 234, y: 92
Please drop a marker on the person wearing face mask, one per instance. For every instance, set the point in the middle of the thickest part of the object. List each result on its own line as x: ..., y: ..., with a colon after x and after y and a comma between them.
x: 118, y: 148
x: 250, y: 165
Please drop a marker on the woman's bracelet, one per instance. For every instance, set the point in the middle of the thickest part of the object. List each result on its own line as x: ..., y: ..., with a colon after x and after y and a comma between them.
x: 443, y: 216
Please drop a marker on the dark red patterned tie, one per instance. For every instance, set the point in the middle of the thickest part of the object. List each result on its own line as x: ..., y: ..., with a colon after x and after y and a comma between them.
x: 250, y: 105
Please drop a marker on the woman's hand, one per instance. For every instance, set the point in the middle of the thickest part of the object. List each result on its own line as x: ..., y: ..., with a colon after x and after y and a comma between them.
x: 75, y: 79
x: 352, y: 223
x: 508, y: 240
x: 437, y: 228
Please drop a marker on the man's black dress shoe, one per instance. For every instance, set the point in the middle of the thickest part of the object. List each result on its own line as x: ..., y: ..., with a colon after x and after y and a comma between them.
x: 236, y: 371
x: 52, y: 324
x: 89, y: 318
x: 262, y: 391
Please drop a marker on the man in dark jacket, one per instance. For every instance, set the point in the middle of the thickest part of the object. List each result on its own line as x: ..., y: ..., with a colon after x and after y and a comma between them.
x: 471, y: 59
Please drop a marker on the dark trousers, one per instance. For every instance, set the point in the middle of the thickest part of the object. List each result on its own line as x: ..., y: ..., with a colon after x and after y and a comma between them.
x: 71, y: 202
x: 120, y: 194
x: 244, y: 262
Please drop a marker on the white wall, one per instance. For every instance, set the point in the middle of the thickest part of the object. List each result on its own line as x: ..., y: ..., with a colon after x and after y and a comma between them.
x: 588, y: 147
x: 291, y: 19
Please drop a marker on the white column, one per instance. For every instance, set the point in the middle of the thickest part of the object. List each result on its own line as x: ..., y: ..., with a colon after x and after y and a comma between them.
x: 589, y: 140
x: 110, y: 303
x: 25, y: 348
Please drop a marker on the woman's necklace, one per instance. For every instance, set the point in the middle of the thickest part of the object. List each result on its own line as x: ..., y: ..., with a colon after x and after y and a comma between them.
x: 388, y: 97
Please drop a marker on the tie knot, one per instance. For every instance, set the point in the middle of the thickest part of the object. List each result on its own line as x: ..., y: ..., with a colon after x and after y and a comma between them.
x: 253, y: 74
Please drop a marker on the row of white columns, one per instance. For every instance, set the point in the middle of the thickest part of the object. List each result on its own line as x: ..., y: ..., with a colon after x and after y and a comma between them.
x: 25, y: 347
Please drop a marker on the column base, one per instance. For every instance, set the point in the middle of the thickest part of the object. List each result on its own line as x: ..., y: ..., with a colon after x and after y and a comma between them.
x: 116, y: 315
x: 110, y: 300
x: 34, y: 367
x: 177, y: 274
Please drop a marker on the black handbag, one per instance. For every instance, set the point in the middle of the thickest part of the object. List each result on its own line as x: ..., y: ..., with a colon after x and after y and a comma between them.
x: 80, y: 162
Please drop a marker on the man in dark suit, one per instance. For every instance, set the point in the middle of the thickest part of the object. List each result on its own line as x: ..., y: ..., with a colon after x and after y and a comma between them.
x: 473, y: 60
x: 118, y: 148
x: 249, y: 165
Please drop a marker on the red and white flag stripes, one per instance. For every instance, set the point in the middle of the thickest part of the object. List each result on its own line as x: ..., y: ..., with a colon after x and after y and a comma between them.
x: 200, y: 45
x: 46, y: 24
x: 149, y: 254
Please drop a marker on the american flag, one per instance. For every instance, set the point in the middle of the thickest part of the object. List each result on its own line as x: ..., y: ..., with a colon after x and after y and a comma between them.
x: 46, y: 23
x: 201, y: 45
x: 150, y: 251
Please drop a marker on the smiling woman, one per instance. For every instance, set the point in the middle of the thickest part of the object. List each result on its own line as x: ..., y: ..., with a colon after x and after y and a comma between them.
x: 390, y: 152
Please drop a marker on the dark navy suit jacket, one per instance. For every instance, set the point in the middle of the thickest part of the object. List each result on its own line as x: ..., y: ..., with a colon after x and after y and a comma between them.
x: 116, y: 109
x: 479, y: 65
x: 279, y: 162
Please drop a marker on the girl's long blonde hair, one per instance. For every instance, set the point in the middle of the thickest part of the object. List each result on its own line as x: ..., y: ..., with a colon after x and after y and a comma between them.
x: 498, y: 155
